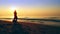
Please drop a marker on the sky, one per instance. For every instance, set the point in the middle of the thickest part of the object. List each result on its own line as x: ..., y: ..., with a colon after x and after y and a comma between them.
x: 29, y: 8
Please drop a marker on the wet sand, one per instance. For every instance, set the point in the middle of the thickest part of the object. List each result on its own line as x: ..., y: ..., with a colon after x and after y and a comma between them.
x: 7, y: 27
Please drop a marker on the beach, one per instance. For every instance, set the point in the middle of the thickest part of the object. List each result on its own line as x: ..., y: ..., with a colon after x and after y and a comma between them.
x: 7, y: 27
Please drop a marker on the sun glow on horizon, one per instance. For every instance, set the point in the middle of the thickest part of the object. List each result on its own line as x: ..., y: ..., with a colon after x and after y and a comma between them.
x: 13, y: 8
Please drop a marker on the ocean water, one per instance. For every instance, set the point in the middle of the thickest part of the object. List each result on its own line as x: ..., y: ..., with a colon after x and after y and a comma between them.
x: 46, y: 21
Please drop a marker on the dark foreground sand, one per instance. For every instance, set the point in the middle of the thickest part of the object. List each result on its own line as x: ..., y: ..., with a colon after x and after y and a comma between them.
x: 7, y: 27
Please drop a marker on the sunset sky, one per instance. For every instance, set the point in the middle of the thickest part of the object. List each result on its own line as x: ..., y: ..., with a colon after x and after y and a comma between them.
x: 29, y: 8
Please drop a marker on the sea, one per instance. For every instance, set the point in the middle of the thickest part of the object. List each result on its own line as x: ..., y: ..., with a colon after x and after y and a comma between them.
x: 54, y: 21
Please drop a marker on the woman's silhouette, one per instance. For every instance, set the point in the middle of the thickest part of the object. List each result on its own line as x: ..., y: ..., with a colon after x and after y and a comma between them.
x: 15, y: 17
